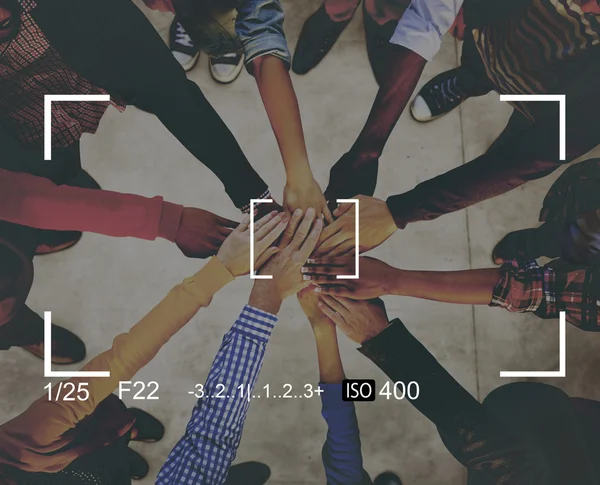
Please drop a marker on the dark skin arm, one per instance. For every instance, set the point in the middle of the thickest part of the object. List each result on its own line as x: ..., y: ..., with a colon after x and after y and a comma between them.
x: 356, y: 172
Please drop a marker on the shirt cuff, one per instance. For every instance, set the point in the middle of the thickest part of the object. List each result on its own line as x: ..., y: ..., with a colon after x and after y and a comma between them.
x: 418, y: 35
x: 331, y: 397
x: 272, y: 45
x: 170, y: 219
x: 521, y: 287
x: 255, y: 324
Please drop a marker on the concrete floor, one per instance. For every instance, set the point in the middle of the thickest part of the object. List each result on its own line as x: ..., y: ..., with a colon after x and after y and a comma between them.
x: 103, y: 286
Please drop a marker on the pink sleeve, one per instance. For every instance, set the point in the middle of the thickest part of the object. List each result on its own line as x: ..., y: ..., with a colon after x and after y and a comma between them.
x: 38, y: 202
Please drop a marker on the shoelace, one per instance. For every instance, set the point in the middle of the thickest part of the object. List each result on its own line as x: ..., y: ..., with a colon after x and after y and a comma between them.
x: 182, y: 37
x: 447, y: 92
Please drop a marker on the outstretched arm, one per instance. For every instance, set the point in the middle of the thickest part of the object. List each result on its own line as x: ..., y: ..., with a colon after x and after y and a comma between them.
x: 342, y: 457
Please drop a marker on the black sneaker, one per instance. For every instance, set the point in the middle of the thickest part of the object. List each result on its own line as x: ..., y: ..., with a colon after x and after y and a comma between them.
x: 388, y: 478
x: 138, y: 466
x: 182, y: 47
x: 249, y: 473
x: 378, y: 43
x: 316, y: 40
x: 441, y: 95
x: 226, y: 68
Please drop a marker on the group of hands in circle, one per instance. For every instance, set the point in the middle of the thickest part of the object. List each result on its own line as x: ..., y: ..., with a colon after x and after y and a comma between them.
x: 290, y: 249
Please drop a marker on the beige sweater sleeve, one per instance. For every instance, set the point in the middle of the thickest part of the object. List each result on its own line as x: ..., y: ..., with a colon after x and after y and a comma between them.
x: 41, y: 427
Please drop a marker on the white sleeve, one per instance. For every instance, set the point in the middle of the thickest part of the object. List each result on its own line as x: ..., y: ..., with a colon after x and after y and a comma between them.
x: 424, y: 23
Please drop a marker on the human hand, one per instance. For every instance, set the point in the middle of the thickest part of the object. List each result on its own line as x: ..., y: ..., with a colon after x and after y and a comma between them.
x: 303, y: 193
x: 459, y: 27
x: 285, y: 266
x: 309, y: 301
x: 354, y: 174
x: 376, y: 225
x: 160, y: 5
x: 201, y: 233
x: 235, y: 251
x: 375, y: 277
x: 359, y: 320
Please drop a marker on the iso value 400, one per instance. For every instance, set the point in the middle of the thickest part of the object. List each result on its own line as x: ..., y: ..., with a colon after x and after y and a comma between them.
x: 357, y: 390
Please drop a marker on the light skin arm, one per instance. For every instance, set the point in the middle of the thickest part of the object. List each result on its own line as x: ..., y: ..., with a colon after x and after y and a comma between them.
x: 279, y: 98
x: 469, y: 287
x: 331, y: 370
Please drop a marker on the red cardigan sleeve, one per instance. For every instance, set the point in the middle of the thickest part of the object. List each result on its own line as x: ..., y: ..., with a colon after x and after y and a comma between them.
x: 38, y: 202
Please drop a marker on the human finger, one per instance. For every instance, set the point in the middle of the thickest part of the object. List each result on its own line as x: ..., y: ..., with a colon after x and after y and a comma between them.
x: 335, y: 303
x: 344, y: 248
x: 308, y: 246
x: 265, y: 256
x: 264, y: 220
x: 224, y: 222
x: 329, y: 269
x: 268, y: 226
x: 303, y: 229
x: 329, y: 312
x: 342, y: 209
x: 332, y: 242
x: 244, y: 224
x: 291, y: 228
x: 334, y: 290
x: 328, y: 215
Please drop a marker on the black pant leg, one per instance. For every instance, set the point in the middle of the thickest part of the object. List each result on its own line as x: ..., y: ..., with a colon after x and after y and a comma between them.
x: 113, y: 45
x: 545, y: 416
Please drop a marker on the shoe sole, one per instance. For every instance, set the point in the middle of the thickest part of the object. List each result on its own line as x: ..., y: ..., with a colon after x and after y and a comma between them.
x: 228, y: 79
x: 188, y: 66
x: 421, y: 120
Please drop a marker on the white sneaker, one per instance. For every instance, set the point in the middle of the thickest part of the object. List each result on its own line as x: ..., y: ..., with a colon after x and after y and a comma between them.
x: 226, y: 68
x: 182, y: 47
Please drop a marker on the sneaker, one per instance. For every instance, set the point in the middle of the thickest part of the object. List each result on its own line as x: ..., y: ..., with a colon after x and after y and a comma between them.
x: 316, y: 40
x: 226, y: 68
x: 249, y: 473
x: 67, y: 348
x: 439, y: 96
x: 182, y: 47
x: 138, y: 466
x: 378, y: 43
x: 388, y: 478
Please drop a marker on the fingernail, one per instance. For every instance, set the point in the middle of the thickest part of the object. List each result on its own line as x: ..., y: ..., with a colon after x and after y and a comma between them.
x: 318, y: 289
x: 310, y: 211
x: 311, y: 261
x: 273, y: 213
x: 304, y: 269
x: 298, y: 212
x: 307, y: 277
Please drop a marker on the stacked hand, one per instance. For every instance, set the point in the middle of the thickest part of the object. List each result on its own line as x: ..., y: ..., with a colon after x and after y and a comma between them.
x: 201, y: 232
x: 235, y: 251
x: 303, y: 194
x: 359, y: 320
x: 376, y: 224
x: 296, y: 246
x: 375, y: 277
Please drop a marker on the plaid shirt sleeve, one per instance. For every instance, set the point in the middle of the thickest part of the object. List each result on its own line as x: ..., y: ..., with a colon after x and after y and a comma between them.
x: 207, y: 449
x: 521, y: 288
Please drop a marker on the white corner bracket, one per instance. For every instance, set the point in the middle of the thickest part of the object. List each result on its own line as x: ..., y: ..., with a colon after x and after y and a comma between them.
x: 562, y: 366
x: 356, y: 202
x: 48, y: 100
x: 48, y: 372
x: 253, y: 275
x: 562, y: 106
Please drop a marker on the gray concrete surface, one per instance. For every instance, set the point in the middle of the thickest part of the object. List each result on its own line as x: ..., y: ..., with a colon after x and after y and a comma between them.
x: 103, y: 286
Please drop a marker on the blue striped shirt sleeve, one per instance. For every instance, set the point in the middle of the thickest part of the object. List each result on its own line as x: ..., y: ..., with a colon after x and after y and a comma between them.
x: 205, y: 452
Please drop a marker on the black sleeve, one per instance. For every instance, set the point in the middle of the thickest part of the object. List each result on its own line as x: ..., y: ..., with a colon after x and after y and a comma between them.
x: 475, y: 439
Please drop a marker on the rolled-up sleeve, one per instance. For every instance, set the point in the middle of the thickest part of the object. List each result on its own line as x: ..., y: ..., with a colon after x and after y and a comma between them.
x: 521, y: 288
x: 424, y: 23
x: 259, y: 26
